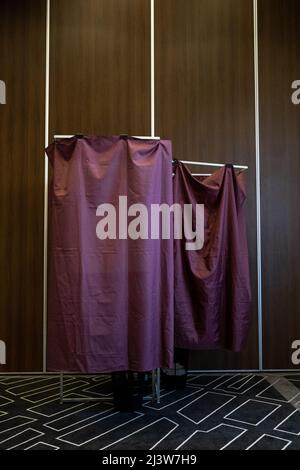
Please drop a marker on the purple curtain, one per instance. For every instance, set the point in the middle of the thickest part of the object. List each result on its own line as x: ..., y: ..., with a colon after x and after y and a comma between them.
x: 212, y: 286
x: 110, y: 302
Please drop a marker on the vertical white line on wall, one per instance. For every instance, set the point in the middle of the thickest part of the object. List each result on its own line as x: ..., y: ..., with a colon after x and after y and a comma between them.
x: 152, y: 106
x: 46, y: 187
x: 258, y: 197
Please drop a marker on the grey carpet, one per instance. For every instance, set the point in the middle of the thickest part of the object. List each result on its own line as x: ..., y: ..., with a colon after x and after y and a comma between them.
x: 213, y: 412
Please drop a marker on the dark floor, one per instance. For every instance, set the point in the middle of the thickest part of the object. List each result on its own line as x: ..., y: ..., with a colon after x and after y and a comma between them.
x: 212, y: 412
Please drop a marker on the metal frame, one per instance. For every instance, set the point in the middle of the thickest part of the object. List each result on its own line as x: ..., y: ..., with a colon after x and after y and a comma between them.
x: 141, y: 137
x: 155, y: 372
x: 156, y: 385
x: 219, y: 165
x: 107, y: 400
x: 62, y: 400
x: 152, y: 67
x: 258, y: 197
x: 46, y: 177
x: 244, y: 371
x: 190, y: 371
x: 152, y: 120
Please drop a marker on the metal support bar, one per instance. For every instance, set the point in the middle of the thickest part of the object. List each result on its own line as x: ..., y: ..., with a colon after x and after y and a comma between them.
x: 153, y: 385
x: 219, y: 165
x: 157, y: 386
x: 61, y: 388
x: 290, y: 371
x: 140, y: 137
x: 258, y: 195
x: 152, y: 68
x: 46, y: 178
x: 108, y: 400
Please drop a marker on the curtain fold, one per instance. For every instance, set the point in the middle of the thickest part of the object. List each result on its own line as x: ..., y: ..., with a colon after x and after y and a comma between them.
x: 212, y: 285
x: 110, y: 301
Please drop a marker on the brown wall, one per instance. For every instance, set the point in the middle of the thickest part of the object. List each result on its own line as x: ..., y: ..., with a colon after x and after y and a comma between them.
x: 22, y: 67
x: 100, y: 68
x: 205, y: 104
x: 100, y: 84
x: 279, y: 66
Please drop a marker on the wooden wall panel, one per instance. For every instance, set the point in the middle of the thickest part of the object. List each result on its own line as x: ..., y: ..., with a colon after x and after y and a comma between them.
x: 22, y: 67
x: 279, y: 66
x: 100, y: 84
x: 205, y: 104
x: 100, y: 67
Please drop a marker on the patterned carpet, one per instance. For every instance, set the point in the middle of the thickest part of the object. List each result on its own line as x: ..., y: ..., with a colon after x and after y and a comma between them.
x: 212, y: 412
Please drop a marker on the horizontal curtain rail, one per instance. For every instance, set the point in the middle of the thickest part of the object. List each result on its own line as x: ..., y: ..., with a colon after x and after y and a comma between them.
x: 188, y: 162
x: 142, y: 137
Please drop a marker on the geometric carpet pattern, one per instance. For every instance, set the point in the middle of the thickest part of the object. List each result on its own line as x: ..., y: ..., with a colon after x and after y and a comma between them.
x: 213, y: 412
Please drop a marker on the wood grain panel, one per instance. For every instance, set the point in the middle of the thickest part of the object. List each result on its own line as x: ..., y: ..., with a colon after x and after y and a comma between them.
x: 100, y: 83
x: 205, y: 104
x: 279, y: 66
x: 22, y: 67
x: 100, y: 67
